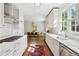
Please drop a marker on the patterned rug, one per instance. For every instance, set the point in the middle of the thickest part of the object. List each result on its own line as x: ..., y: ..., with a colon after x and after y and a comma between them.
x: 36, y: 50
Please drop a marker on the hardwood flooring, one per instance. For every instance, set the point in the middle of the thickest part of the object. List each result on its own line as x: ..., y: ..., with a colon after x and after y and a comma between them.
x: 41, y: 41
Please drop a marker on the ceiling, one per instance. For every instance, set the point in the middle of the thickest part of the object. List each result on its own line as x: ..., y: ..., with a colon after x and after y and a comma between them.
x: 35, y: 12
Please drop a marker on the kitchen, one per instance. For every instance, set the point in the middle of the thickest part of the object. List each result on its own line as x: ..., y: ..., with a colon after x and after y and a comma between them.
x: 56, y: 24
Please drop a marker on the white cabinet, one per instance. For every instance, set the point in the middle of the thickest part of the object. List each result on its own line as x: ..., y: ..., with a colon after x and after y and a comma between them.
x: 18, y: 28
x: 8, y: 10
x: 53, y: 45
x: 49, y: 42
x: 56, y: 46
x: 15, y: 12
x: 1, y: 14
x: 11, y: 20
x: 59, y: 49
x: 21, y: 28
x: 11, y: 11
x: 5, y: 31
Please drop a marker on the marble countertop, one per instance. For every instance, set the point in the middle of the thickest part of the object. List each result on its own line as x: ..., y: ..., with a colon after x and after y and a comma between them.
x: 7, y: 47
x: 72, y: 44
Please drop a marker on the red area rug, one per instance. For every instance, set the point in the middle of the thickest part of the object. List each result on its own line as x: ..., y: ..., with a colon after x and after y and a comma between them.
x: 36, y: 50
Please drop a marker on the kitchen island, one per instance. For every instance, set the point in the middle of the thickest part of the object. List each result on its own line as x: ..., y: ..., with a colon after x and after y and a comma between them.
x: 13, y: 46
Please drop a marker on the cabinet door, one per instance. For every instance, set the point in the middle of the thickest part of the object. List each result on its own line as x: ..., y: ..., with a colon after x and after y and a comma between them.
x: 21, y: 27
x: 56, y: 48
x: 53, y: 45
x: 15, y: 12
x: 8, y: 9
x: 8, y: 13
x: 1, y: 14
x: 50, y: 43
x: 47, y: 40
x: 5, y: 31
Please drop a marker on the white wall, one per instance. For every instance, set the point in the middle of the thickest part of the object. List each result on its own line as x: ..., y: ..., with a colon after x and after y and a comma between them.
x: 28, y: 26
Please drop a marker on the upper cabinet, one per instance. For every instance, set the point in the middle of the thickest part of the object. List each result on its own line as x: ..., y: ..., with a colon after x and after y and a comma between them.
x: 1, y: 14
x: 11, y: 13
x: 15, y: 12
x: 8, y: 10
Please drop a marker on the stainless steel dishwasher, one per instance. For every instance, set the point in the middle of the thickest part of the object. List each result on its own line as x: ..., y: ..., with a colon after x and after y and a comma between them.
x: 65, y: 51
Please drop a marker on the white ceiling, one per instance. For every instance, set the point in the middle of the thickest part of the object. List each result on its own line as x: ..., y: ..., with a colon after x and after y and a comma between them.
x: 37, y: 13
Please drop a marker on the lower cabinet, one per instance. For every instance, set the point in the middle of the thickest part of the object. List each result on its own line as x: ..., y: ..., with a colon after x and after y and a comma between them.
x: 53, y: 45
x: 15, y: 48
x: 5, y: 31
x: 57, y: 48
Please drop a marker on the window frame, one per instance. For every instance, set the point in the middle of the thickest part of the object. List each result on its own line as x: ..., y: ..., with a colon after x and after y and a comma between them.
x: 69, y: 25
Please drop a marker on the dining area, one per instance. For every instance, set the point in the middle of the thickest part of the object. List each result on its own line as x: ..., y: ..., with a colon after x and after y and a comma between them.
x: 36, y: 35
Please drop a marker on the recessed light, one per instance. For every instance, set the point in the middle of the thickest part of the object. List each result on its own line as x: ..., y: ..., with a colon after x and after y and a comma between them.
x: 37, y: 4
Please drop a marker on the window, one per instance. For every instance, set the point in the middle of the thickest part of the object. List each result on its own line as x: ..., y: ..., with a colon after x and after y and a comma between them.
x: 74, y: 19
x: 64, y: 21
x: 73, y: 26
x: 70, y: 20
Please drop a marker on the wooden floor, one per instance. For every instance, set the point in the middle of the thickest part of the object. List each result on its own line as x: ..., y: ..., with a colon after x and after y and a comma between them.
x: 36, y: 41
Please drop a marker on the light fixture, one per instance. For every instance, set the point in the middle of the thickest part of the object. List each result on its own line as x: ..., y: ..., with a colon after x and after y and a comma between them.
x: 37, y: 4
